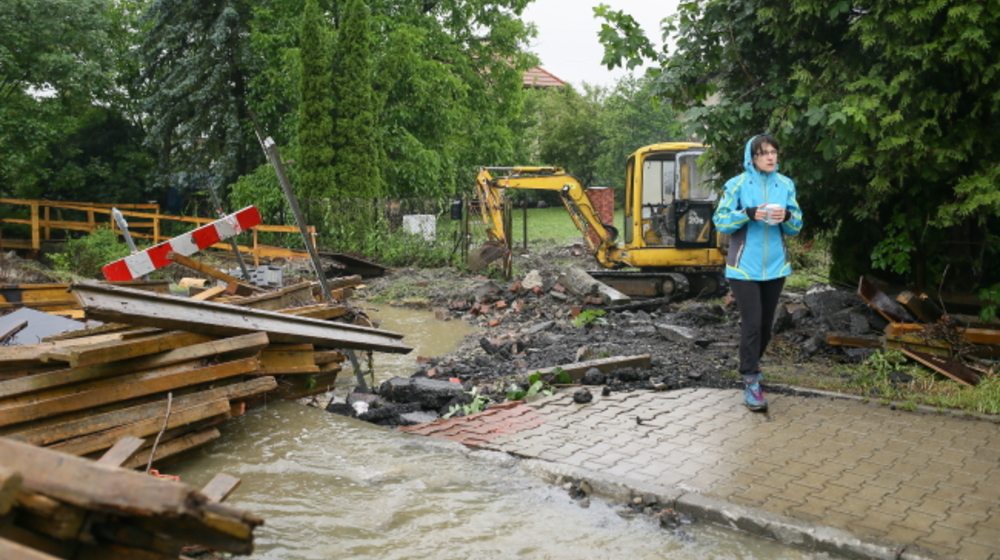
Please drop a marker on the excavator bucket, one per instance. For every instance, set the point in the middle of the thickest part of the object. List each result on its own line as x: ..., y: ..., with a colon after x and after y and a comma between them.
x: 481, y: 257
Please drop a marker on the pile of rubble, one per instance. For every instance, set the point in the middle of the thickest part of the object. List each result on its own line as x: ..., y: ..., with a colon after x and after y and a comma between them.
x: 538, y: 324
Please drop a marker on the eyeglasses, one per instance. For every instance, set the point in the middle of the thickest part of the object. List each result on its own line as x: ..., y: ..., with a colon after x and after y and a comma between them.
x: 768, y: 153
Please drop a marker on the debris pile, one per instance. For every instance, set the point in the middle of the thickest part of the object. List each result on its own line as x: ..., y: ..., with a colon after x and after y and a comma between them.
x: 58, y: 506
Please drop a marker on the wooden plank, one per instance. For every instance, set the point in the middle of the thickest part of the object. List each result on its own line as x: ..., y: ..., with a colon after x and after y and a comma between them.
x: 100, y: 329
x: 844, y: 339
x: 31, y: 354
x: 217, y: 319
x: 121, y: 451
x: 604, y: 365
x: 89, y: 385
x: 12, y: 331
x: 86, y: 484
x: 885, y: 306
x: 112, y: 351
x: 40, y: 543
x: 973, y: 335
x: 89, y: 424
x: 172, y: 447
x: 301, y: 387
x: 287, y: 359
x: 319, y: 311
x: 897, y: 345
x: 10, y: 485
x: 210, y: 271
x: 219, y: 528
x: 296, y: 295
x: 246, y: 343
x: 920, y: 306
x: 325, y: 357
x: 220, y: 487
x: 946, y: 366
x: 210, y: 293
x: 145, y: 427
x: 125, y: 387
x: 45, y: 515
x: 10, y: 550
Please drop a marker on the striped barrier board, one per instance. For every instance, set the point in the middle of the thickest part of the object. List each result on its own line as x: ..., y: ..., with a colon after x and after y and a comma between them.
x: 142, y: 263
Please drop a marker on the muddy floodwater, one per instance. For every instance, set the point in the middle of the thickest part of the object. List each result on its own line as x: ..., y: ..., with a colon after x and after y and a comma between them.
x: 331, y: 487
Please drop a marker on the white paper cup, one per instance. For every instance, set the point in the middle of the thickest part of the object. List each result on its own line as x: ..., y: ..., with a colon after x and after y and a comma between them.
x: 772, y: 216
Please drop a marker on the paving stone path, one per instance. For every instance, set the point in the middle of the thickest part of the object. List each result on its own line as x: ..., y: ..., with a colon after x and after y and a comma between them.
x: 925, y: 481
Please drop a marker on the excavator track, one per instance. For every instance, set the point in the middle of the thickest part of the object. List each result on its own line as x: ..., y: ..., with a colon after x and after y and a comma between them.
x: 675, y: 285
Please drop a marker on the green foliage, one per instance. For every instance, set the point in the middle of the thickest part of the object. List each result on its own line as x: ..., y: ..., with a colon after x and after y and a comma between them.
x: 316, y: 106
x: 515, y: 393
x: 879, y: 112
x: 478, y: 404
x: 262, y: 189
x: 589, y: 317
x: 884, y: 362
x: 992, y: 295
x: 196, y: 59
x: 558, y: 375
x: 357, y: 169
x: 568, y: 131
x: 84, y: 257
x: 55, y: 61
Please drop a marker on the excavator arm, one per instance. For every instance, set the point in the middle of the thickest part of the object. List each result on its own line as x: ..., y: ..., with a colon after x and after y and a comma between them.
x: 492, y: 191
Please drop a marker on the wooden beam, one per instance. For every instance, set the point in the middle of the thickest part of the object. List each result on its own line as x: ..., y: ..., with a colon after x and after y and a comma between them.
x: 48, y: 516
x: 218, y: 319
x: 604, y: 365
x: 892, y: 311
x: 31, y: 354
x: 845, y: 339
x: 921, y: 307
x: 172, y: 447
x: 210, y: 271
x: 946, y: 366
x: 123, y: 388
x: 320, y: 311
x: 145, y: 427
x: 10, y: 485
x: 44, y: 435
x: 246, y: 343
x: 10, y: 550
x: 173, y: 508
x: 220, y: 487
x: 121, y: 451
x: 210, y: 293
x: 115, y: 350
x: 295, y: 295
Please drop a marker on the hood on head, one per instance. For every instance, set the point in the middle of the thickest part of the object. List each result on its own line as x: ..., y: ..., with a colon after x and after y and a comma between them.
x: 748, y: 156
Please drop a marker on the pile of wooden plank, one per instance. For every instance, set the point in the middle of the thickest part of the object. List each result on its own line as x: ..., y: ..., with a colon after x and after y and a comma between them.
x: 54, y: 505
x: 173, y: 367
x: 922, y: 331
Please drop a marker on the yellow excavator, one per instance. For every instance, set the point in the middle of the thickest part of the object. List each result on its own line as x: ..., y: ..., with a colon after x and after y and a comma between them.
x: 670, y: 246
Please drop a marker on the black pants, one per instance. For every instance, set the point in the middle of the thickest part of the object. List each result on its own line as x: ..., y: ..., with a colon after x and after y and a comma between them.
x: 757, y: 302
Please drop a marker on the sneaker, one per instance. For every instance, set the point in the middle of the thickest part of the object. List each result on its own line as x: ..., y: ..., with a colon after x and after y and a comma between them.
x: 754, y: 397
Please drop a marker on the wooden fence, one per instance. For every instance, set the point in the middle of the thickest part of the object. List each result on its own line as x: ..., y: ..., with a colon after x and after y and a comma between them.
x: 144, y: 222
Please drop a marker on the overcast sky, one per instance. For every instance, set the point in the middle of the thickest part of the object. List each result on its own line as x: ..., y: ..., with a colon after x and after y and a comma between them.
x: 567, y: 35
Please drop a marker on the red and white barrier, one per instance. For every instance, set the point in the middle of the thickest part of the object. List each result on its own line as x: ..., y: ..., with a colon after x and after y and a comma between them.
x: 144, y: 262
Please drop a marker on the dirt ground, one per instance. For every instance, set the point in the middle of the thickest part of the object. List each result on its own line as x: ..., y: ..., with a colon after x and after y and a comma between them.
x: 692, y: 343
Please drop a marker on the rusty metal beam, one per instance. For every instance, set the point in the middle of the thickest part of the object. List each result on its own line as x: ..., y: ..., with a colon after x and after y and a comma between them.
x: 124, y: 305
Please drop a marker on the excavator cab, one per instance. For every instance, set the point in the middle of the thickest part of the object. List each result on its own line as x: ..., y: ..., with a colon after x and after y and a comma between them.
x: 671, y: 201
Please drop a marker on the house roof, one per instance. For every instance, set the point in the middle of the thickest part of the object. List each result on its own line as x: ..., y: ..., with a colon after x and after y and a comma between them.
x: 538, y: 77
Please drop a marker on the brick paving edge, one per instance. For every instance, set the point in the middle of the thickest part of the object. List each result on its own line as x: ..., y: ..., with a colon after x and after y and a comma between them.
x: 786, y: 530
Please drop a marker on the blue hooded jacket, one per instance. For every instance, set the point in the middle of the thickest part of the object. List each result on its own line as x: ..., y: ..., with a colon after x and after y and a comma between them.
x: 757, y: 250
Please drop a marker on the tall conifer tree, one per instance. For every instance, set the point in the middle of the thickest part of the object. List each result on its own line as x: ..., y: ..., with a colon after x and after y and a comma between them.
x: 315, y: 123
x: 359, y: 159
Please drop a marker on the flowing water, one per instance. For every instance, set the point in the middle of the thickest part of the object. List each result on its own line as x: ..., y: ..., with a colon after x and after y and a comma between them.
x: 331, y: 487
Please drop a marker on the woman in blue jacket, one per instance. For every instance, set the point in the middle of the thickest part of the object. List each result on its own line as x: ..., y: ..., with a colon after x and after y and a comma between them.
x: 758, y: 210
